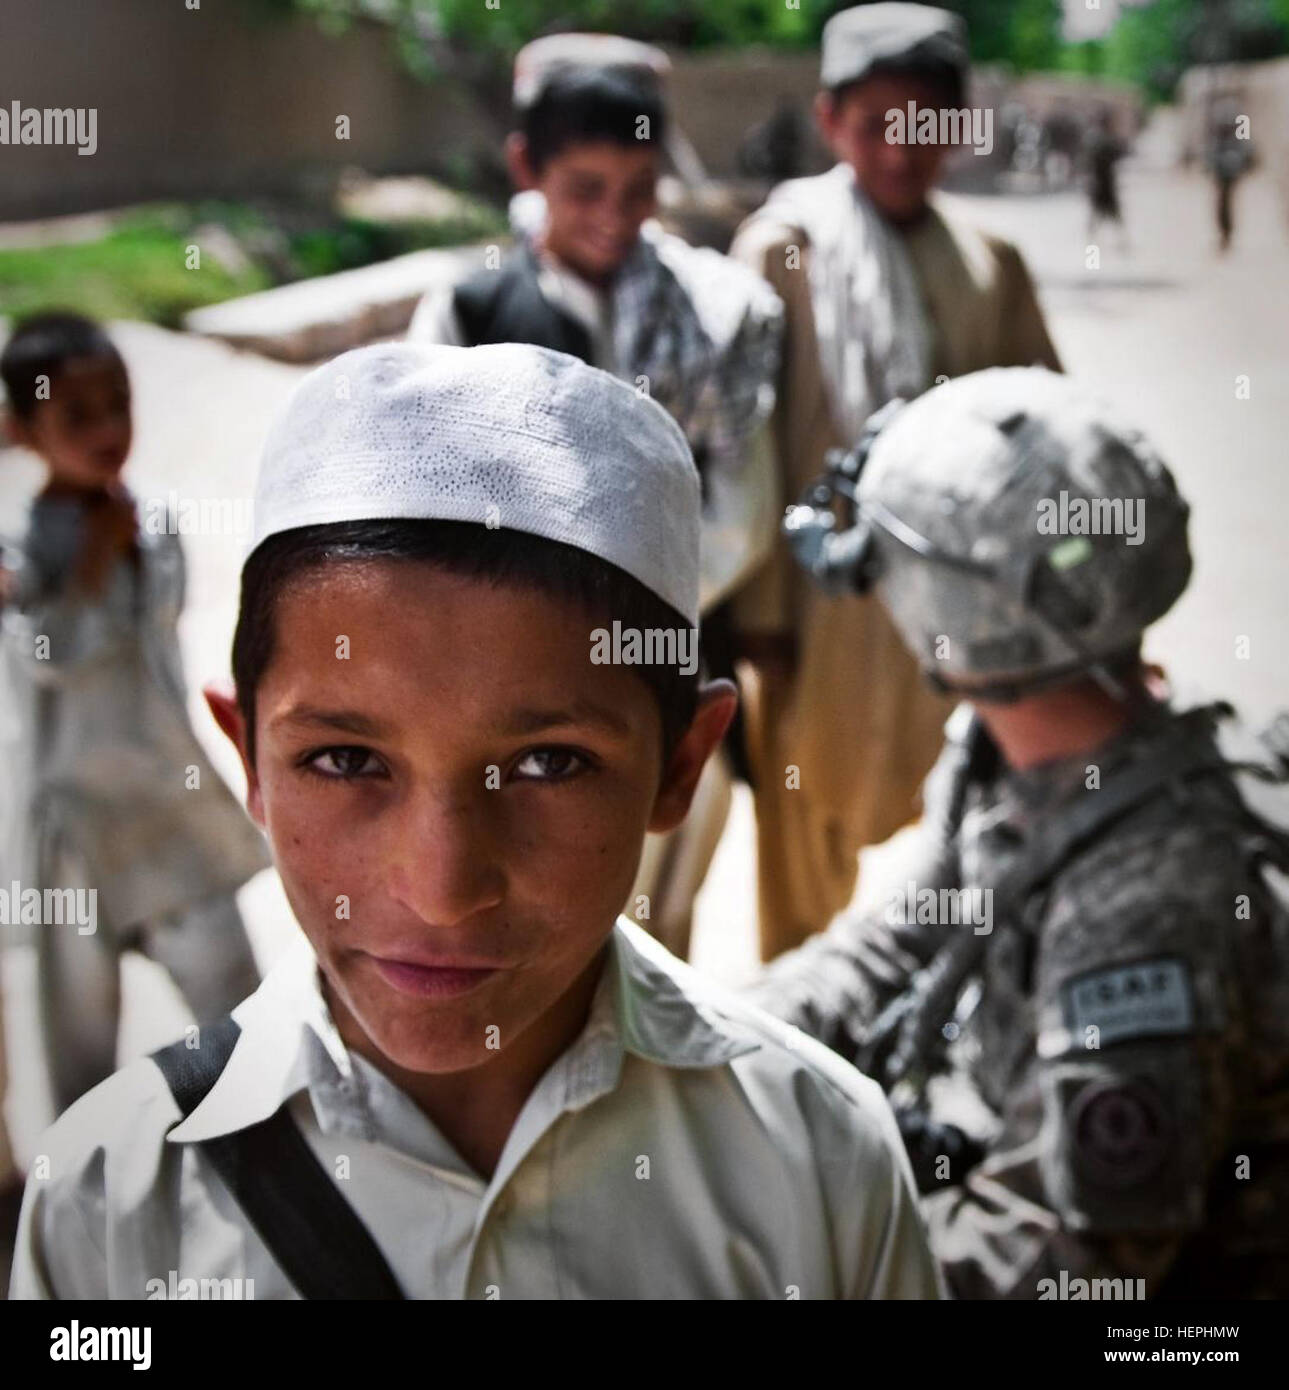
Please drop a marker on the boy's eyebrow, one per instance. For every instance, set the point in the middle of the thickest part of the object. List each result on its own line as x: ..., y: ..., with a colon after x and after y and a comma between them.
x: 534, y: 720
x: 347, y: 720
x: 522, y: 721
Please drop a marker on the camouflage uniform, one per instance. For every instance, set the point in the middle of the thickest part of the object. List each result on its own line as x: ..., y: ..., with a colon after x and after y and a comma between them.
x: 1123, y: 1010
x: 1117, y: 1151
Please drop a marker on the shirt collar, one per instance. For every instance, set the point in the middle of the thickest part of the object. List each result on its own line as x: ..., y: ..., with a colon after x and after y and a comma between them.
x: 647, y: 1003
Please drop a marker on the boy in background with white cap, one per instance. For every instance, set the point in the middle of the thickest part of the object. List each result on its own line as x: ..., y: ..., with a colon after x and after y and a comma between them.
x: 516, y: 1097
x: 593, y: 275
x: 886, y: 288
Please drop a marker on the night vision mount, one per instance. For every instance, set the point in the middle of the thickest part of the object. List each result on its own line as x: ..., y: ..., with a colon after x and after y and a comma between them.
x: 830, y: 536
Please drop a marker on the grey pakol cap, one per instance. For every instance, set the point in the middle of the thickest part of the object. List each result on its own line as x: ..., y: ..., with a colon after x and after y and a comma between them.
x: 869, y: 36
x: 504, y: 436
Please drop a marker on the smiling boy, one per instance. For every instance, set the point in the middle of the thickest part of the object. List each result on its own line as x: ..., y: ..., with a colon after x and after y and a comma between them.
x: 468, y: 1081
x: 593, y: 274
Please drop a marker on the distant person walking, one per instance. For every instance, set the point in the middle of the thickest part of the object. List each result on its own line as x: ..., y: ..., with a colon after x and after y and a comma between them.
x: 1229, y: 157
x: 1102, y: 152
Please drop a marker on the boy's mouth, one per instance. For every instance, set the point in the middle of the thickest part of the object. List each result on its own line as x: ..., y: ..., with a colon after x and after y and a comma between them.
x: 431, y: 981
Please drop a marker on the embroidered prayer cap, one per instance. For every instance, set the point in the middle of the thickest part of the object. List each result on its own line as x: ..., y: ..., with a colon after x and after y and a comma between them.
x: 868, y: 37
x: 536, y: 63
x: 505, y: 436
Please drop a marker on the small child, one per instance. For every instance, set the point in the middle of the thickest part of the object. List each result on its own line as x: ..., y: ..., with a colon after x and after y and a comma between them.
x: 113, y: 798
x: 517, y: 1097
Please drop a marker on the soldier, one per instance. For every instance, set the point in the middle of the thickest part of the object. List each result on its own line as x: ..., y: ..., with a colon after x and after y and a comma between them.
x: 886, y: 286
x: 1087, y: 870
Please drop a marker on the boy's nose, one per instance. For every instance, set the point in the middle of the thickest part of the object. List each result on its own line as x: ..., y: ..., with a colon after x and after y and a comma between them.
x: 444, y: 864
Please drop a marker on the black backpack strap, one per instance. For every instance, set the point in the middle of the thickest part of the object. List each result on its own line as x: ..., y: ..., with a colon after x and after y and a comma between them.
x: 286, y: 1194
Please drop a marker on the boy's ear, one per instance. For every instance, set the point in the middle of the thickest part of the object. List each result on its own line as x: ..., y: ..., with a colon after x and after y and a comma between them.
x: 825, y: 114
x: 717, y: 702
x: 221, y: 700
x: 522, y: 173
x: 14, y: 433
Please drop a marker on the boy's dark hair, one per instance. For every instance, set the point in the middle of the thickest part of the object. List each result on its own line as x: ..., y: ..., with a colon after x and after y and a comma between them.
x: 947, y: 79
x: 42, y: 345
x: 586, y: 105
x: 471, y: 551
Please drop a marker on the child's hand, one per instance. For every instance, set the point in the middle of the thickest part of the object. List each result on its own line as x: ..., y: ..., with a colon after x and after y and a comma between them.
x: 8, y: 585
x: 111, y: 528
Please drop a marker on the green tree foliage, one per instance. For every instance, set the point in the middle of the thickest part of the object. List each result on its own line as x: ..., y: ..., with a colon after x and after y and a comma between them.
x: 1150, y: 44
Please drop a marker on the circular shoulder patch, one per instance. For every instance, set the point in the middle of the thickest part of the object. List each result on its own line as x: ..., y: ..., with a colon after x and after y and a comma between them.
x: 1120, y: 1131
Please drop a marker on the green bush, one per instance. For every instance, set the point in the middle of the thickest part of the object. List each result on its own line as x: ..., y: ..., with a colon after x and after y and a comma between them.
x: 138, y: 271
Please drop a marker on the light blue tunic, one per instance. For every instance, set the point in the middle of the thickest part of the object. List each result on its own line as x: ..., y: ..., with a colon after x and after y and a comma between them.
x: 102, y: 762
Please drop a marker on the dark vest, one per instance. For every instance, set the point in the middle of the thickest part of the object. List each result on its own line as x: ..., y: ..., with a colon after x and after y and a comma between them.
x: 508, y: 306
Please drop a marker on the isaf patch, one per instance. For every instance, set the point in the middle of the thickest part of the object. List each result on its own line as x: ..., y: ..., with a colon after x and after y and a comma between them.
x: 1148, y: 999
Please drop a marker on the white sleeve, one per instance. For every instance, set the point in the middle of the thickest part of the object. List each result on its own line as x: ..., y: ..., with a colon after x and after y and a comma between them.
x: 57, y: 1254
x: 435, y: 319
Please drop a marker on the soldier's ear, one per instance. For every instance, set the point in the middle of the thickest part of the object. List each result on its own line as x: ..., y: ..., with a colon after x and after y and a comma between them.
x: 522, y: 173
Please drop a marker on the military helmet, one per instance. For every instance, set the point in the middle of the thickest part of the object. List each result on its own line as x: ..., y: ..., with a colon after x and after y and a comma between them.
x: 1016, y: 530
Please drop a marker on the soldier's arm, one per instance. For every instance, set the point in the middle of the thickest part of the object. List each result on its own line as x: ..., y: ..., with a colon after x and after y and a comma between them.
x: 1114, y: 1126
x: 835, y: 985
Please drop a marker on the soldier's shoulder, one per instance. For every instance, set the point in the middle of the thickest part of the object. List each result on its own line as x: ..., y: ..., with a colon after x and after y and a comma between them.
x: 1168, y: 879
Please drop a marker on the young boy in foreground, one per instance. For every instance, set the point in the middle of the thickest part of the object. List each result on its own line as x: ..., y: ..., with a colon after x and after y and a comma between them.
x: 517, y: 1097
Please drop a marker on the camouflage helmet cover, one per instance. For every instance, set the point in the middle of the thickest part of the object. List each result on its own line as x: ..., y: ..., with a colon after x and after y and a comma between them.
x: 1020, y: 530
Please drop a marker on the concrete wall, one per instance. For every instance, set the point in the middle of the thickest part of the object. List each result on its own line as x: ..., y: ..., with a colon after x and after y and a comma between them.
x: 227, y: 99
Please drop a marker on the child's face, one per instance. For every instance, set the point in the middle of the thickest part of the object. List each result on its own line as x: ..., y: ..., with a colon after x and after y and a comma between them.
x: 597, y: 196
x: 83, y: 431
x: 457, y: 806
x: 897, y: 177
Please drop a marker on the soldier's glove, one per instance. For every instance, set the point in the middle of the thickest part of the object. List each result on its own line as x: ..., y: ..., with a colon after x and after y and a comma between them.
x: 940, y: 1154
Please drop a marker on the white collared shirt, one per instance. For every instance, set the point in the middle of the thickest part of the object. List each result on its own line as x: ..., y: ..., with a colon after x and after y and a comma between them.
x: 685, y: 1145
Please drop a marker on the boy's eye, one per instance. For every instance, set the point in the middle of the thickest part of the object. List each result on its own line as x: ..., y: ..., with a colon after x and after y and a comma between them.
x: 343, y: 763
x: 550, y: 765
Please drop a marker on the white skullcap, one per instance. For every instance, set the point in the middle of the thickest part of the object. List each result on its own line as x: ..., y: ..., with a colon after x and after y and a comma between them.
x: 538, y: 62
x: 865, y: 37
x: 505, y: 435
